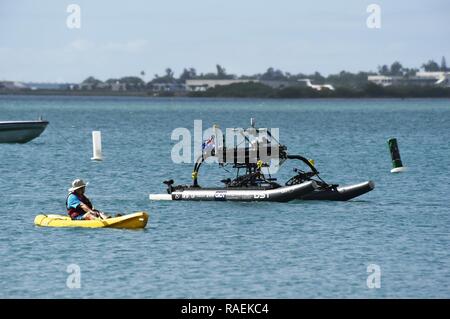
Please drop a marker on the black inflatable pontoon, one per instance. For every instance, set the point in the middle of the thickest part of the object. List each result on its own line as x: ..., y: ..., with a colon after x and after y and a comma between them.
x: 279, y: 194
x: 324, y: 190
x: 340, y: 193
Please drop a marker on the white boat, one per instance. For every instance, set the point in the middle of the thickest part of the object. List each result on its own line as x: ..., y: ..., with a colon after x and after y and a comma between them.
x: 21, y: 131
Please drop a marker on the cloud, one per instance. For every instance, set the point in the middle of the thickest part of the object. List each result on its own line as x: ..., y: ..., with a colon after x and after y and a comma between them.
x: 80, y: 45
x: 72, y: 61
x: 134, y: 46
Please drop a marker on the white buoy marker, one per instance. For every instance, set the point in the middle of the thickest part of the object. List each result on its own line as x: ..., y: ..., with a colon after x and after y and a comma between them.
x: 97, y: 146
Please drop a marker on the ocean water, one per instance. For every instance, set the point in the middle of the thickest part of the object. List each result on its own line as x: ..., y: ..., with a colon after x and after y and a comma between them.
x: 225, y: 249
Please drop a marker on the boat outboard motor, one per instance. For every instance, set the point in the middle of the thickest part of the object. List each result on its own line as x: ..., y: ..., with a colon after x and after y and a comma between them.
x: 226, y: 181
x: 169, y: 184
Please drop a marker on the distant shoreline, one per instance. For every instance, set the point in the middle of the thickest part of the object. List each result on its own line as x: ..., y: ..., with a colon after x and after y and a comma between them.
x: 243, y: 92
x: 73, y: 93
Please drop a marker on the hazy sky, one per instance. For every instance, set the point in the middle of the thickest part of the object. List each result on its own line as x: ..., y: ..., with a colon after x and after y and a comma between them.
x: 119, y: 38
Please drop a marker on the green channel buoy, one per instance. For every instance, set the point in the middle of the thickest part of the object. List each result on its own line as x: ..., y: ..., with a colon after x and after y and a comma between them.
x: 397, y: 165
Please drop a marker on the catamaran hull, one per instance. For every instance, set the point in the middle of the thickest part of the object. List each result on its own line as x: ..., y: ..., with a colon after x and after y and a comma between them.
x: 281, y: 194
x: 340, y: 193
x: 21, y: 132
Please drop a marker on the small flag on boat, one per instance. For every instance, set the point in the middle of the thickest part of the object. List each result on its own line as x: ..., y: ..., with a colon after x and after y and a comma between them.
x: 209, y: 145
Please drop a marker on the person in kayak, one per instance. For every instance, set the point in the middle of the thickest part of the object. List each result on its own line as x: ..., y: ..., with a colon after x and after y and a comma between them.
x: 79, y: 207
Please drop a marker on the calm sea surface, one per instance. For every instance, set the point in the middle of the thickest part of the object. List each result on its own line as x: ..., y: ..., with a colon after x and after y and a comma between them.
x: 221, y: 249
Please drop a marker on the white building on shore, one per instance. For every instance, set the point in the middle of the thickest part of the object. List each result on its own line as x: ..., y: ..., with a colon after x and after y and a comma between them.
x: 199, y: 85
x: 420, y: 79
x: 205, y: 84
x: 13, y: 85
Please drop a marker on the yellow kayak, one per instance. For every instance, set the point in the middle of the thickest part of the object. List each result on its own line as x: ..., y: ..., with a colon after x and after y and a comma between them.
x: 130, y: 221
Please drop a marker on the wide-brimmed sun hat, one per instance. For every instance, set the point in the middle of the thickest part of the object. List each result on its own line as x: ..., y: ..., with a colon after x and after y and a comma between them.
x: 76, y: 184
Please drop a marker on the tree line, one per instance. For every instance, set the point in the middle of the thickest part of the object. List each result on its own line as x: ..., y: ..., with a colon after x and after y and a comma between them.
x: 397, y: 69
x: 342, y: 79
